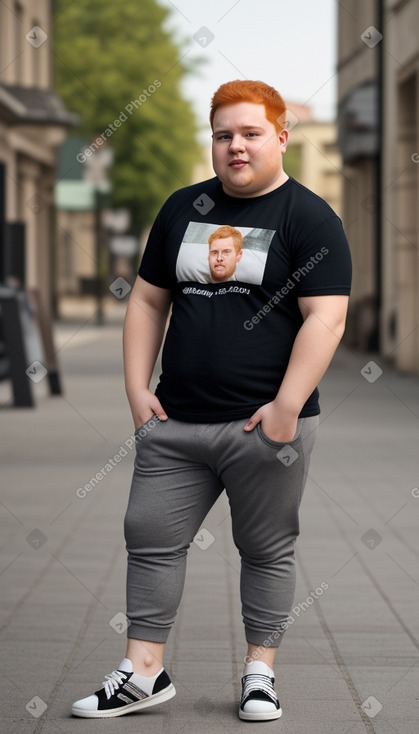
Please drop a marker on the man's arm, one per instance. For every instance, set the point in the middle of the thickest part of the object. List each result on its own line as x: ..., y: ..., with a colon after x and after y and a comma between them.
x: 313, y: 349
x: 144, y: 327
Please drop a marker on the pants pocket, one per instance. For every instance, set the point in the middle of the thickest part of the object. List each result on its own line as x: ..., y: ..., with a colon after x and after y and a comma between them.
x: 279, y: 444
x: 146, y: 427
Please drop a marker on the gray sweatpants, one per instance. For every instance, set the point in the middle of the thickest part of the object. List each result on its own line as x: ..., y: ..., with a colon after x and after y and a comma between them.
x: 180, y: 470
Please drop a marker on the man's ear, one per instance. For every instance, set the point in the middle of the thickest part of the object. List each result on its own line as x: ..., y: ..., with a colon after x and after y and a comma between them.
x: 239, y: 256
x: 283, y: 139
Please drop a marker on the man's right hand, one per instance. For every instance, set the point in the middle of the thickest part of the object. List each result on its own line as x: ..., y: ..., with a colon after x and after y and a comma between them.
x: 144, y: 328
x: 144, y: 406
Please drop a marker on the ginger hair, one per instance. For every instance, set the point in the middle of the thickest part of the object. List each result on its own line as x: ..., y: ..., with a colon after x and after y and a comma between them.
x: 250, y: 91
x: 227, y: 231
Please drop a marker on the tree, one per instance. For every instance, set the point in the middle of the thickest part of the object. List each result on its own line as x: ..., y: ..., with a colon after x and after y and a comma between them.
x: 119, y: 69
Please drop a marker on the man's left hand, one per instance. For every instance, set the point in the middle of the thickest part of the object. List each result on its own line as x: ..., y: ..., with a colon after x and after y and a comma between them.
x: 277, y: 424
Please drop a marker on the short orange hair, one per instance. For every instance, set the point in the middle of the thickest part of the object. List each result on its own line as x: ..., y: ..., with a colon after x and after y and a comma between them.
x: 227, y: 231
x: 250, y: 91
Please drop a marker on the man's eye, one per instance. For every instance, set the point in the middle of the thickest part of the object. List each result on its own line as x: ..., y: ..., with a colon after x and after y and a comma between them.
x: 224, y: 137
x: 252, y: 135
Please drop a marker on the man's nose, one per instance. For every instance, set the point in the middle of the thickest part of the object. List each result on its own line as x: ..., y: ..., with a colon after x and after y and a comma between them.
x: 237, y: 143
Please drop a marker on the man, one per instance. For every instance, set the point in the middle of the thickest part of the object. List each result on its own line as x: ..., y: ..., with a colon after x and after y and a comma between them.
x: 225, y: 251
x: 237, y: 402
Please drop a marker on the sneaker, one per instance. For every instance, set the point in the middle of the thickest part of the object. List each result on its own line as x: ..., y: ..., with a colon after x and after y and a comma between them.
x: 124, y: 691
x: 259, y: 701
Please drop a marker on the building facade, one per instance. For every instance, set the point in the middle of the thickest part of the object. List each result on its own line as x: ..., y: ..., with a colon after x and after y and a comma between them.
x: 313, y: 156
x: 33, y: 122
x: 378, y: 88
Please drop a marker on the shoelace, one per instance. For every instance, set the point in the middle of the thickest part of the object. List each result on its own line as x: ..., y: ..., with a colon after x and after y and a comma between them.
x: 113, y: 681
x: 256, y: 682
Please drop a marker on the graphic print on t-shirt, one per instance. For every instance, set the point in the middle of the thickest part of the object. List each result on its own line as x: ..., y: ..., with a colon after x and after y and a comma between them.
x: 214, y: 253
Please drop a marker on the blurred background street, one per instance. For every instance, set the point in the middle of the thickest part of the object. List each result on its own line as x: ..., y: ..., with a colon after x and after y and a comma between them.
x: 103, y: 114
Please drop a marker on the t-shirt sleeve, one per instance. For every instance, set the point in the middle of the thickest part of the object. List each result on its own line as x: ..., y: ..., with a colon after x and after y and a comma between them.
x: 153, y: 267
x: 322, y: 261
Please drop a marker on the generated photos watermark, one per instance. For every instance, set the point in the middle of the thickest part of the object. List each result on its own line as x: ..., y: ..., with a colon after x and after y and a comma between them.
x: 294, y: 280
x: 112, y: 462
x: 112, y: 127
x: 295, y: 613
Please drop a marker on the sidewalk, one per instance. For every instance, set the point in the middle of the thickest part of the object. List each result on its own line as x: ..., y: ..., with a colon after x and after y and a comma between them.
x: 349, y: 661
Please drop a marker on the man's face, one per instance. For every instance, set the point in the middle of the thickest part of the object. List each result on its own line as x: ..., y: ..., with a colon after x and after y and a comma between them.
x: 247, y: 150
x: 223, y: 259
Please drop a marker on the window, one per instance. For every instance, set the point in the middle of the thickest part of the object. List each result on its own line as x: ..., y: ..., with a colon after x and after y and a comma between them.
x: 18, y: 38
x: 36, y: 60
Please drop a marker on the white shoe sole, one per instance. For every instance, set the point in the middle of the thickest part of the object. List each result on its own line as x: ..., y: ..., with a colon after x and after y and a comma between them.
x: 267, y: 716
x: 160, y: 697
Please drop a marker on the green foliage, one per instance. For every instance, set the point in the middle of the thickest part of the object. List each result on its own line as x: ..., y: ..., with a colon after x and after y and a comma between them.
x: 108, y: 55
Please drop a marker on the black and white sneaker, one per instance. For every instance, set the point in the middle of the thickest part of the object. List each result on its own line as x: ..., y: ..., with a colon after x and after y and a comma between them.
x: 259, y: 701
x: 124, y: 691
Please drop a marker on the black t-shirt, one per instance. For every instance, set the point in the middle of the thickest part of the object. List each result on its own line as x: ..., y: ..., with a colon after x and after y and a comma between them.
x: 228, y: 344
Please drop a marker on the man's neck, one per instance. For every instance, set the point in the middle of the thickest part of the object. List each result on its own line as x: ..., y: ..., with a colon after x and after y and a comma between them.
x: 282, y: 178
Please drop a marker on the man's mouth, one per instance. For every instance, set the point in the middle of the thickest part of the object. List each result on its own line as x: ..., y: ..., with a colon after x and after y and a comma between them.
x: 237, y: 163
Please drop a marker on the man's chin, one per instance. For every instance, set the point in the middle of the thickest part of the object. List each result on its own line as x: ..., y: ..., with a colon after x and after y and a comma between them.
x: 218, y: 278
